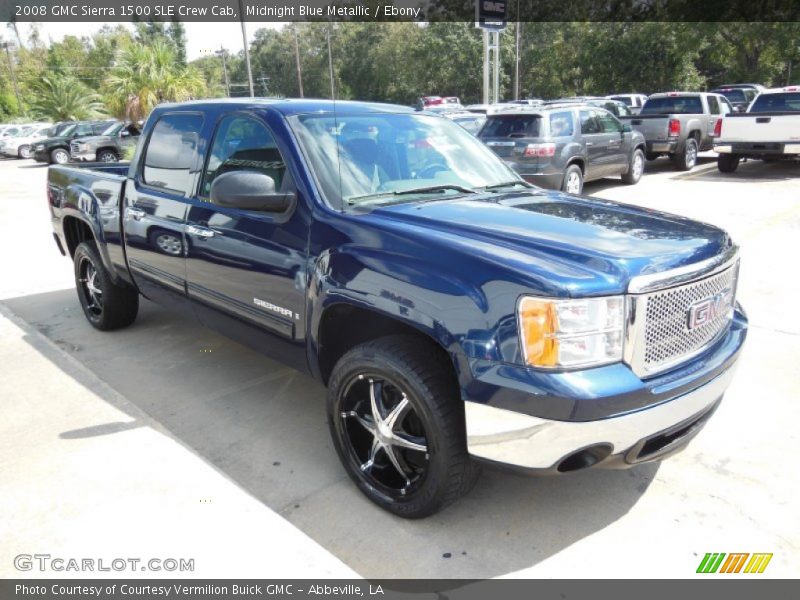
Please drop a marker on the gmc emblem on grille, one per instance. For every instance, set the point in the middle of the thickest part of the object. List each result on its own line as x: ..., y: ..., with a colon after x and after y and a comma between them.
x: 704, y: 312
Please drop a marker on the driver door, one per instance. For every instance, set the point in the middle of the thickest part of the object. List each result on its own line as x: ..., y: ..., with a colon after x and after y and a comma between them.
x: 248, y: 264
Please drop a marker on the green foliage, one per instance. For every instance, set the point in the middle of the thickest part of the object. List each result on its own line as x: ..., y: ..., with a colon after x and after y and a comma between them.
x: 63, y: 98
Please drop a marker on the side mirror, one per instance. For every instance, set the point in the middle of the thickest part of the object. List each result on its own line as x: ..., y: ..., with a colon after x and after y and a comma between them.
x: 249, y: 190
x: 626, y: 128
x: 124, y: 133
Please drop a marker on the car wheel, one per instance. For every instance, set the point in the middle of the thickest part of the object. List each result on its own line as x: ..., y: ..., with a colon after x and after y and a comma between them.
x: 728, y: 163
x: 573, y: 180
x: 59, y: 156
x: 167, y: 242
x: 107, y: 156
x: 397, y: 423
x: 635, y: 168
x: 24, y: 152
x: 651, y: 156
x: 106, y: 304
x: 686, y: 160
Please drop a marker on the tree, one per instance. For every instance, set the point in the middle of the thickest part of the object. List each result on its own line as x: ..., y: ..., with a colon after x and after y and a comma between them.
x: 145, y: 75
x: 61, y: 97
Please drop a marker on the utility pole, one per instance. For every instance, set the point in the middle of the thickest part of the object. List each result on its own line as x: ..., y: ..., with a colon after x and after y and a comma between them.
x: 297, y: 60
x: 264, y: 87
x: 223, y: 53
x: 8, y: 46
x: 330, y: 64
x: 516, y: 55
x: 246, y: 50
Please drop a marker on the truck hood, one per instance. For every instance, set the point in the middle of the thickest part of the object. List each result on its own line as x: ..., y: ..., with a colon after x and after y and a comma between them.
x: 571, y: 243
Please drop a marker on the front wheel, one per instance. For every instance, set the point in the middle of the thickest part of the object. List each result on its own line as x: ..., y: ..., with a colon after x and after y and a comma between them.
x: 59, y: 156
x: 573, y: 180
x: 397, y: 423
x: 107, y: 156
x: 728, y: 163
x: 635, y: 168
x: 24, y: 151
x: 686, y: 160
x: 106, y: 304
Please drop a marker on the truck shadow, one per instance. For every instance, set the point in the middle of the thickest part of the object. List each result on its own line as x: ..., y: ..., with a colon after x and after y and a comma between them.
x: 264, y: 426
x: 751, y: 171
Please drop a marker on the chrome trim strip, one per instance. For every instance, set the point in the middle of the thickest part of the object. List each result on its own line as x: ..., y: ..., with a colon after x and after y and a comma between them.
x: 642, y: 284
x: 530, y: 442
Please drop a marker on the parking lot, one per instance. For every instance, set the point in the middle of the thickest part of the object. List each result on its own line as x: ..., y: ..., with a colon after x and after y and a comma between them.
x: 166, y: 432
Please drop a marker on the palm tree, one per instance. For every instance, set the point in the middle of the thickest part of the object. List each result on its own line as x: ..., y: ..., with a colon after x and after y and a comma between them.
x: 145, y: 75
x: 63, y: 98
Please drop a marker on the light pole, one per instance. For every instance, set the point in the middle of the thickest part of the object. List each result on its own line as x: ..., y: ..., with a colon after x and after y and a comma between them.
x: 223, y: 53
x: 297, y: 60
x: 330, y: 63
x: 7, y: 46
x: 246, y: 50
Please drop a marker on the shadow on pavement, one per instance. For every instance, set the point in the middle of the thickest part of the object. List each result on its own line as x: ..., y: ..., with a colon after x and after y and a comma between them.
x: 264, y: 426
x: 751, y: 171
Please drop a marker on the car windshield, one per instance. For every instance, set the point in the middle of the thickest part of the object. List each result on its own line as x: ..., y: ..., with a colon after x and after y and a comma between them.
x: 681, y: 105
x: 113, y: 129
x: 512, y: 126
x: 785, y: 102
x: 382, y: 158
x: 68, y: 129
x: 24, y: 132
x: 626, y: 100
x: 737, y: 96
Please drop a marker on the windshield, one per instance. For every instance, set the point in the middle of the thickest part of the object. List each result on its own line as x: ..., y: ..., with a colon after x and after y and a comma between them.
x: 512, y: 126
x: 737, y: 96
x: 681, y: 105
x: 23, y: 132
x: 68, y: 130
x: 382, y: 155
x: 113, y: 129
x: 785, y: 102
x: 626, y: 100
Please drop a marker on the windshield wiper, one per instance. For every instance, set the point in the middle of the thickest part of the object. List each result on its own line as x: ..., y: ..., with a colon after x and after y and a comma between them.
x: 420, y: 190
x: 497, y: 186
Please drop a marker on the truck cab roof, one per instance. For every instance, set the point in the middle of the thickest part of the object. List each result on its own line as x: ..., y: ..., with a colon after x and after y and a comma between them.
x: 290, y: 106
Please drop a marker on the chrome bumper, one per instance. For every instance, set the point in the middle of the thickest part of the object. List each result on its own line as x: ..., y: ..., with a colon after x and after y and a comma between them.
x: 527, y: 442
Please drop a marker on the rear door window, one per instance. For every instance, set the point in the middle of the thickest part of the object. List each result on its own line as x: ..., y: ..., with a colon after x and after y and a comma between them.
x: 562, y: 124
x: 713, y: 105
x: 608, y: 123
x: 170, y: 153
x: 512, y: 126
x: 589, y: 123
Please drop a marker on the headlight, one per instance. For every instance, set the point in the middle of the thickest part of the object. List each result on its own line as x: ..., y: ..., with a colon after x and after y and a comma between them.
x: 571, y: 333
x: 39, y: 147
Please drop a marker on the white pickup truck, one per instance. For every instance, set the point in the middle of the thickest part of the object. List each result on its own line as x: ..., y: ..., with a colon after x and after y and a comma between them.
x: 769, y: 130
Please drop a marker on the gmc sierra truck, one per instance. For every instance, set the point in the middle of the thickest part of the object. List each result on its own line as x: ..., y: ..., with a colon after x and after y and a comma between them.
x: 456, y: 313
x: 769, y: 130
x: 680, y: 124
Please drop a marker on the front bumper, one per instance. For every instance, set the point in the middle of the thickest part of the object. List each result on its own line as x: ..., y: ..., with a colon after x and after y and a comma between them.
x: 83, y: 156
x: 758, y: 149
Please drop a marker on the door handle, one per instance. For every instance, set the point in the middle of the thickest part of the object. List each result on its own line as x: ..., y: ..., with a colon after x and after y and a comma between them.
x: 203, y: 232
x: 137, y: 214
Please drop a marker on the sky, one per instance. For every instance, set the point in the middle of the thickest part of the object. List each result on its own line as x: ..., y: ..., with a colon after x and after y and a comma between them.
x: 201, y: 38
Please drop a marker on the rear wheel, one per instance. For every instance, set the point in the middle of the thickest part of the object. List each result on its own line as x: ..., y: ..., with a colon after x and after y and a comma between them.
x: 573, y: 180
x: 397, y: 423
x: 107, y: 156
x: 106, y: 305
x: 686, y: 160
x: 59, y: 156
x: 635, y: 168
x: 24, y: 151
x: 728, y: 163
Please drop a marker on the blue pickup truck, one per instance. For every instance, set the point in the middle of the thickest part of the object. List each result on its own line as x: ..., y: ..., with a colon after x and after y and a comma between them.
x: 456, y: 313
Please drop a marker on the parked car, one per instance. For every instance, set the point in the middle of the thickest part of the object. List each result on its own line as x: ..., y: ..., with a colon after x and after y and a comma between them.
x: 453, y: 311
x: 10, y: 130
x: 56, y: 149
x: 472, y: 122
x: 20, y: 145
x: 769, y: 130
x: 480, y: 109
x: 739, y: 97
x: 680, y: 124
x: 634, y: 102
x: 560, y: 146
x: 615, y: 107
x: 426, y: 102
x: 750, y: 86
x: 109, y: 146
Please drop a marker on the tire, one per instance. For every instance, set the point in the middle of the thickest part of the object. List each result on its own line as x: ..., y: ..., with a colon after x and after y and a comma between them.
x: 107, y: 306
x: 166, y: 242
x: 107, y: 156
x: 728, y: 163
x: 573, y: 180
x: 635, y: 168
x: 686, y: 160
x: 24, y: 151
x: 651, y: 156
x: 400, y: 370
x: 59, y: 156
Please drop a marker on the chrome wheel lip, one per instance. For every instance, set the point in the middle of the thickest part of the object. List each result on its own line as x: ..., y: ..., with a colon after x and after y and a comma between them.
x: 387, y: 455
x: 92, y: 294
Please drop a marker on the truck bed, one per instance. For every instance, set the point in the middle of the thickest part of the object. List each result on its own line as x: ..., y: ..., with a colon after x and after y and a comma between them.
x: 761, y: 127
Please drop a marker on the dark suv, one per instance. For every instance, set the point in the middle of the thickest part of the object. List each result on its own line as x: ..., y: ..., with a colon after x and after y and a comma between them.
x: 562, y: 145
x: 55, y: 150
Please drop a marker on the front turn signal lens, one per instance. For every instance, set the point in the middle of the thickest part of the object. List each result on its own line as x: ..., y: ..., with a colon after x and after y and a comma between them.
x: 538, y: 323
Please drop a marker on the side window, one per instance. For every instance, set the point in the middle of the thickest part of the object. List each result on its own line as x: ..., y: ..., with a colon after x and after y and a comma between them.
x: 608, y: 122
x: 170, y: 152
x: 725, y: 106
x: 589, y: 123
x: 623, y: 110
x: 562, y: 124
x: 713, y: 105
x: 242, y: 143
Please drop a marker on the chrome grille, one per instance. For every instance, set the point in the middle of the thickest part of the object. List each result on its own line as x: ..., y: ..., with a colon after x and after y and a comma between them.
x: 667, y: 336
x: 74, y: 148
